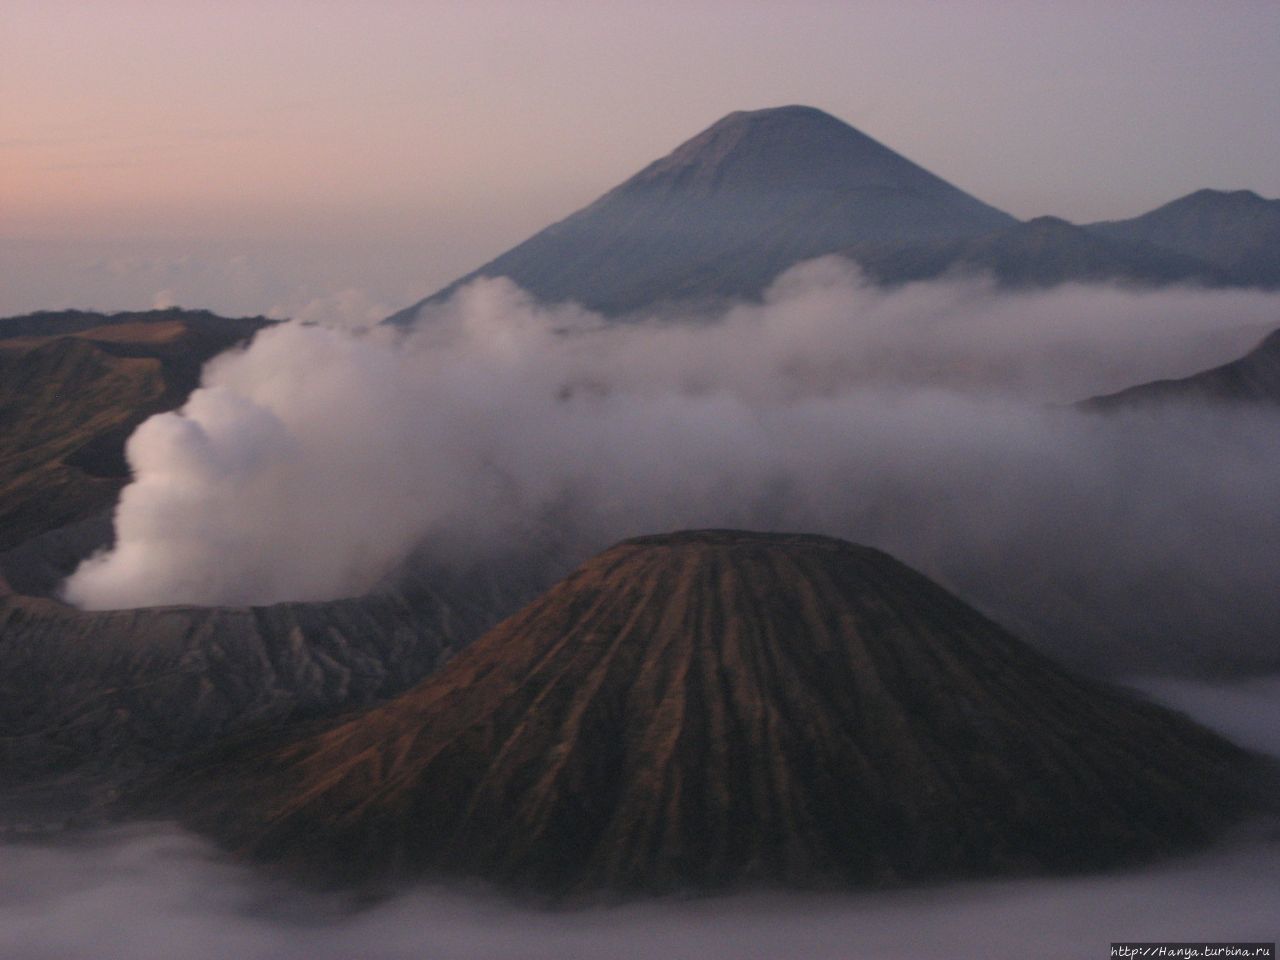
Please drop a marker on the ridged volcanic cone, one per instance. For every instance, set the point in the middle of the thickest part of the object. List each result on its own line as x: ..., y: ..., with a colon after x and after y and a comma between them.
x: 711, y: 708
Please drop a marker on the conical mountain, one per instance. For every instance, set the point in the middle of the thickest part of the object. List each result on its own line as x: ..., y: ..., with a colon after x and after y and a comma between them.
x: 1236, y: 230
x: 709, y: 708
x: 726, y: 212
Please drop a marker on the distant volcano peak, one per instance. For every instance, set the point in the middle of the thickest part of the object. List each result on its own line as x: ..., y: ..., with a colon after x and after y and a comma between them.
x: 772, y: 124
x: 727, y: 211
x: 791, y: 147
x: 794, y: 112
x: 774, y: 121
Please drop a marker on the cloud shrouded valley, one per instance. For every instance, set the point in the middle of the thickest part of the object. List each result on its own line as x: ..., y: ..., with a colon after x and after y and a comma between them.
x: 931, y: 420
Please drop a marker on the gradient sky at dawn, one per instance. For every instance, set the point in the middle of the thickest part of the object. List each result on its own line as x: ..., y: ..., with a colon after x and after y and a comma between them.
x: 325, y: 155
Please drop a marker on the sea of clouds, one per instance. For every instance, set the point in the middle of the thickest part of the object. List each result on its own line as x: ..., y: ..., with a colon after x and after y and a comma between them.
x: 151, y: 892
x: 933, y: 421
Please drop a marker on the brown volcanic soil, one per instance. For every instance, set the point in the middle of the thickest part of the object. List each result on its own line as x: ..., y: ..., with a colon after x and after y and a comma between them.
x: 712, y: 708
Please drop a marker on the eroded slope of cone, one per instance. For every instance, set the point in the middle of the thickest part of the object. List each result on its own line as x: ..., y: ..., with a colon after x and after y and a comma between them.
x: 716, y: 707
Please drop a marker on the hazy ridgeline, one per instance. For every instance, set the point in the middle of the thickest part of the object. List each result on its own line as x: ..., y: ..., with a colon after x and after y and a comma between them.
x: 931, y: 420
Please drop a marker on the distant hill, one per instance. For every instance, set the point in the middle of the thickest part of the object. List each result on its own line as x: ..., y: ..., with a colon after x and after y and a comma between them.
x: 730, y: 209
x: 712, y: 708
x: 1237, y: 231
x: 1252, y: 379
x: 1043, y: 252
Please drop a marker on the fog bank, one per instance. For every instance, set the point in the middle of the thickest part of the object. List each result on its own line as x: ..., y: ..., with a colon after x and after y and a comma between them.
x: 153, y: 893
x: 155, y: 896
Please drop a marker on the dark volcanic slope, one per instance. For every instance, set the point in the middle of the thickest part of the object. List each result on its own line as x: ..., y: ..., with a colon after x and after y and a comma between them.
x: 1236, y: 230
x: 714, y: 707
x: 105, y: 694
x: 73, y: 385
x: 729, y: 210
x: 1253, y: 379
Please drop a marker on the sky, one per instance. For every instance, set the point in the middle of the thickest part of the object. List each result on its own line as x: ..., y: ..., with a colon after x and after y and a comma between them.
x: 349, y: 158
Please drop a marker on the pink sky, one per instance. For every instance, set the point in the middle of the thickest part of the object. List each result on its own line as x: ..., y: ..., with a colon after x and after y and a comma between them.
x: 411, y: 141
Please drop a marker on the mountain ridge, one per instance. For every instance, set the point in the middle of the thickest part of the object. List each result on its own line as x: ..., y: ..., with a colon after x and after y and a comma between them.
x: 1041, y: 252
x: 1237, y: 231
x: 1251, y: 379
x: 728, y: 210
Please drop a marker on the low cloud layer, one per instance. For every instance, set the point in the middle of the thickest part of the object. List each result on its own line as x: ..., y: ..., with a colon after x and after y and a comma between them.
x: 927, y: 421
x: 138, y: 895
x: 149, y: 893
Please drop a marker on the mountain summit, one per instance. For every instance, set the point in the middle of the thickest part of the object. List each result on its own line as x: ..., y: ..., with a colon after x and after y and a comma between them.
x: 708, y: 708
x: 803, y: 154
x: 726, y: 212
